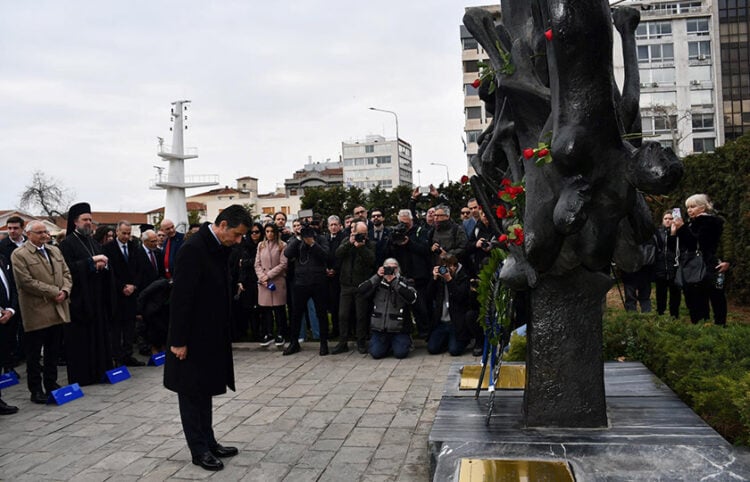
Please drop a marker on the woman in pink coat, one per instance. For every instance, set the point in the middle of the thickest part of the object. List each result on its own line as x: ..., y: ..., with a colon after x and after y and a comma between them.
x: 270, y: 266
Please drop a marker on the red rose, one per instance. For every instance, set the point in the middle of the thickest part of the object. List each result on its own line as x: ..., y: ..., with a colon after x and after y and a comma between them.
x: 515, y: 190
x: 528, y: 153
x: 548, y: 34
x: 501, y: 212
x: 519, y: 236
x: 503, y: 238
x: 476, y: 83
x: 464, y: 179
x: 505, y: 182
x: 542, y: 153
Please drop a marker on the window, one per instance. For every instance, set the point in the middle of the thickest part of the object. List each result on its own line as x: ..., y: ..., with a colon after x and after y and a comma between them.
x: 470, y: 90
x: 701, y: 97
x: 655, y: 53
x: 472, y: 136
x: 704, y: 145
x: 697, y: 26
x: 659, y: 124
x: 369, y: 149
x: 698, y: 74
x: 473, y: 112
x: 653, y: 30
x: 471, y: 66
x: 286, y: 209
x: 659, y: 98
x: 268, y: 210
x: 657, y: 76
x: 292, y: 192
x: 699, y: 50
x: 470, y: 44
x: 703, y: 122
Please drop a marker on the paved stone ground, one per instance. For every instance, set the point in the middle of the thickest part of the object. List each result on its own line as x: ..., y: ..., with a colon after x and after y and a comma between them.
x: 298, y: 418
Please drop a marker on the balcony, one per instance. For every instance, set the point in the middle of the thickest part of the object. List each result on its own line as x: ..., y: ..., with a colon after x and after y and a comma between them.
x: 201, y: 180
x: 165, y: 152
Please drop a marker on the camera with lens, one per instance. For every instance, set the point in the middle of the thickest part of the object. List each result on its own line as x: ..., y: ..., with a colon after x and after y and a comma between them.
x: 443, y: 270
x: 307, y: 230
x: 389, y: 270
x: 485, y: 244
x: 398, y: 233
x: 360, y: 237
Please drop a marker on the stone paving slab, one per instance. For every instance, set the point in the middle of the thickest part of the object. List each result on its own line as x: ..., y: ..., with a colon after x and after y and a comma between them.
x: 300, y: 418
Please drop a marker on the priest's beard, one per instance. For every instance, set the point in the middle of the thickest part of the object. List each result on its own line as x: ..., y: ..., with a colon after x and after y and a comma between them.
x: 85, y: 231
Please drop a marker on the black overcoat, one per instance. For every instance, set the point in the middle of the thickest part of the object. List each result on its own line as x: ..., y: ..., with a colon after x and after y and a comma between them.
x: 200, y: 310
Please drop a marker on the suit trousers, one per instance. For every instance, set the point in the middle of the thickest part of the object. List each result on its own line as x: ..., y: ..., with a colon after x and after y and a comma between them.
x: 197, y: 422
x: 50, y: 339
x: 8, y: 340
x: 353, y: 307
x: 122, y: 335
x: 300, y: 297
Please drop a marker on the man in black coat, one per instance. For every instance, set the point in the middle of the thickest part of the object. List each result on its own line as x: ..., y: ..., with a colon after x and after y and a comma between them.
x: 199, y: 361
x: 86, y: 337
x: 126, y: 263
x: 335, y: 237
x: 8, y: 310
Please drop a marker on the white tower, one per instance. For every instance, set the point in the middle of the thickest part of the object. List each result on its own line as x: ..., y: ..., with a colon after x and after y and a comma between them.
x: 176, y: 183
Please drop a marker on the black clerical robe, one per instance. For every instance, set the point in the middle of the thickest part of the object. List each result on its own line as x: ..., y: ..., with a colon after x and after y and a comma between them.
x: 86, y: 337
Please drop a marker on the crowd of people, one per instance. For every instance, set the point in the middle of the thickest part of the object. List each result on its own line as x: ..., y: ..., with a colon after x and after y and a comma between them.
x: 89, y: 299
x: 676, y: 239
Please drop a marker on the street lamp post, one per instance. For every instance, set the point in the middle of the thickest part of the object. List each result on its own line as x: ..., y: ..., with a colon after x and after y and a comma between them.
x: 447, y: 174
x: 394, y: 115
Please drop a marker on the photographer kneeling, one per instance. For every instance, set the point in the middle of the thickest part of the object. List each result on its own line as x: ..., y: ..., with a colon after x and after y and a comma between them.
x: 450, y: 291
x: 390, y: 321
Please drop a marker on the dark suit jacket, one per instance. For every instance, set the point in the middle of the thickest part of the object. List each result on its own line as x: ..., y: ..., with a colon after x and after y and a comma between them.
x: 200, y: 313
x: 125, y: 272
x: 381, y: 247
x: 149, y: 274
x: 5, y: 301
x: 6, y: 247
x: 175, y: 244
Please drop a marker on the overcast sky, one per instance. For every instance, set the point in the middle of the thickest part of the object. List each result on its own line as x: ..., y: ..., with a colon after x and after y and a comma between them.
x: 86, y: 87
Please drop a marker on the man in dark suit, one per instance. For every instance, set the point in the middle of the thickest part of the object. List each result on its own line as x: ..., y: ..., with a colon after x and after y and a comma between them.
x: 125, y: 261
x: 199, y: 361
x: 171, y: 245
x: 335, y: 236
x: 8, y: 310
x: 152, y: 259
x: 378, y: 233
x: 14, y: 328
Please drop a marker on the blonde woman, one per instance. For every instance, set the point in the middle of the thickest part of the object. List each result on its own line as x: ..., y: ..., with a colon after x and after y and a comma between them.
x: 270, y: 266
x: 702, y: 232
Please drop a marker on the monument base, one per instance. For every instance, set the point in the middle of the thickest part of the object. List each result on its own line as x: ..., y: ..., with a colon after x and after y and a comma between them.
x: 652, y: 434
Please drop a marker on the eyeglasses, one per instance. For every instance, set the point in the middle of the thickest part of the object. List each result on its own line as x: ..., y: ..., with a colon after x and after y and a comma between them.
x: 465, y: 213
x: 40, y: 232
x: 377, y: 215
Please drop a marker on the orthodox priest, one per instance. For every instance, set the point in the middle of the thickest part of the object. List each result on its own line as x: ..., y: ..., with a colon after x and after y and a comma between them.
x: 86, y: 337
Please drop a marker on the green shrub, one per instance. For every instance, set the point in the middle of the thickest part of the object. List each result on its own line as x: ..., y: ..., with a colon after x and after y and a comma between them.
x: 707, y: 366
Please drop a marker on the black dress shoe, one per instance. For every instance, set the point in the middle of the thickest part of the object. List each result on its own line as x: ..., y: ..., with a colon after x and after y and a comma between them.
x: 292, y: 348
x: 38, y: 396
x: 323, y: 348
x: 132, y: 362
x: 208, y: 461
x: 341, y: 347
x: 221, y: 451
x: 478, y: 350
x: 361, y: 347
x: 6, y: 409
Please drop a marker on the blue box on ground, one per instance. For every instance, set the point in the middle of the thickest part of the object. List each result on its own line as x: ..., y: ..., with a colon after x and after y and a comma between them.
x: 65, y: 394
x: 118, y: 374
x: 157, y: 359
x: 8, y: 380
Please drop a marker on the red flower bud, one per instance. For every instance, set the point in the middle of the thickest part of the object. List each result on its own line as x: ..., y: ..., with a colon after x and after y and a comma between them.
x: 501, y: 212
x: 542, y: 153
x: 503, y: 238
x: 528, y: 153
x: 476, y: 83
x: 464, y: 179
x: 505, y: 182
x: 548, y: 34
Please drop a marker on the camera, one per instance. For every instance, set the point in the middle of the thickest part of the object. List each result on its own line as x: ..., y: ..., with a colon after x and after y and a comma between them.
x: 443, y: 270
x: 485, y: 244
x: 389, y: 270
x: 360, y: 237
x: 398, y: 233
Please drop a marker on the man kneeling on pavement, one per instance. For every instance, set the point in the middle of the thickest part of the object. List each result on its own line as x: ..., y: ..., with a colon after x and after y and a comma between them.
x: 390, y: 320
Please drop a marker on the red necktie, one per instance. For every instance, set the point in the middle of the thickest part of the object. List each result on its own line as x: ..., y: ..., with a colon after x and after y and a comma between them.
x: 166, y: 259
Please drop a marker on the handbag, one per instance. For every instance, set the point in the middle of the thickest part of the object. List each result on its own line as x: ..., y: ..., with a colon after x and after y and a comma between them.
x: 691, y: 269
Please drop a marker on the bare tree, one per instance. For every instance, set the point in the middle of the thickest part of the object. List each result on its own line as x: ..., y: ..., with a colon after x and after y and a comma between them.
x: 46, y: 195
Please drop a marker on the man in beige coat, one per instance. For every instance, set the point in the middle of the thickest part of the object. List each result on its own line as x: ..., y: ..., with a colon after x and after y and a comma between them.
x: 44, y: 283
